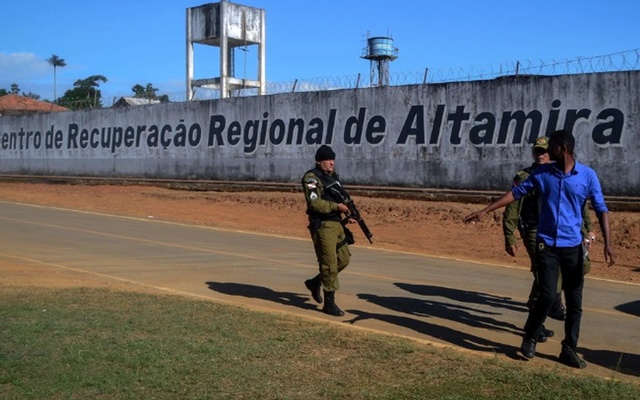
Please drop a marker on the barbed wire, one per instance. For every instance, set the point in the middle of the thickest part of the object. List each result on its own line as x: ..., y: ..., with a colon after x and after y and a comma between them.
x: 628, y: 60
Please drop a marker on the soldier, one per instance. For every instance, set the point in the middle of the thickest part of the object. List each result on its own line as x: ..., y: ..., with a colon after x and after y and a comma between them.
x: 330, y: 238
x: 522, y: 215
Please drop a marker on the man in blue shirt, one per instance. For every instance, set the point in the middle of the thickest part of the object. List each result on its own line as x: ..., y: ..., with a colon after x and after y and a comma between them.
x: 563, y: 188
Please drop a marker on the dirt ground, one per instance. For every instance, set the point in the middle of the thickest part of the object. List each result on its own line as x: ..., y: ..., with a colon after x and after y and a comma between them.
x: 427, y: 227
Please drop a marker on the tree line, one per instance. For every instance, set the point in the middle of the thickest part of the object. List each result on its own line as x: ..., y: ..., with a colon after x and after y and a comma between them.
x: 85, y: 92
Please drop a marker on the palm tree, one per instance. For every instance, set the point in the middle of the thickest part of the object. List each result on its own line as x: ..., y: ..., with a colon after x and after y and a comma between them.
x: 56, y: 62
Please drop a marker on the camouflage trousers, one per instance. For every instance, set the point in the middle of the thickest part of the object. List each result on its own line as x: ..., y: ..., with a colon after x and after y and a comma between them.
x: 332, y: 252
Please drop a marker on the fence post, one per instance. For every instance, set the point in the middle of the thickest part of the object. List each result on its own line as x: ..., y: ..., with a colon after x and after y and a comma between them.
x: 426, y: 72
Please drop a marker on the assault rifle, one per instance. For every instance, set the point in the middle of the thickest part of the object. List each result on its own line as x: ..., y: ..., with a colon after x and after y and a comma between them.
x: 354, y: 213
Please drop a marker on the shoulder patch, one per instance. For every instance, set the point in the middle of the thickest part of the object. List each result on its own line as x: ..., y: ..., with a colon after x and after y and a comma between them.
x: 311, y: 182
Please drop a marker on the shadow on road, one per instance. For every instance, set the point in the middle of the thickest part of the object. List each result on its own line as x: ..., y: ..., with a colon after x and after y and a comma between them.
x: 624, y: 363
x: 263, y: 293
x: 632, y: 308
x: 455, y: 337
x: 453, y: 312
x: 464, y: 296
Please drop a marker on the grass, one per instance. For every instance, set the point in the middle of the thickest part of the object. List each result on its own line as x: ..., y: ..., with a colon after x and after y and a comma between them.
x: 100, y: 344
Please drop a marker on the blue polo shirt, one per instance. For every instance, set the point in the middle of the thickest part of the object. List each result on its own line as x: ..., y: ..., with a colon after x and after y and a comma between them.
x: 561, y: 200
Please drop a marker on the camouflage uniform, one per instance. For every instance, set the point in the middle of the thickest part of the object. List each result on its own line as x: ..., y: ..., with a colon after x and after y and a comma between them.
x: 324, y: 197
x: 327, y: 232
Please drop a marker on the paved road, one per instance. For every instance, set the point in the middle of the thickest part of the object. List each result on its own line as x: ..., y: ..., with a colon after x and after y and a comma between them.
x: 473, y: 306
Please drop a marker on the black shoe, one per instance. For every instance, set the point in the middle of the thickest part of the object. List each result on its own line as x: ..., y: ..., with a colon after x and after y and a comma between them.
x: 315, y: 287
x: 528, y: 347
x: 547, y: 332
x: 330, y: 306
x: 569, y: 357
x: 541, y: 338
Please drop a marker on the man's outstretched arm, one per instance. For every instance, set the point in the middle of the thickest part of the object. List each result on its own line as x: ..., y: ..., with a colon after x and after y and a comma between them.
x: 503, y: 201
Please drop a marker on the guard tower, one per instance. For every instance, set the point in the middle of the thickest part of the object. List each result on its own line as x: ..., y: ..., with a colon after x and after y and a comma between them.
x: 380, y: 52
x: 226, y: 25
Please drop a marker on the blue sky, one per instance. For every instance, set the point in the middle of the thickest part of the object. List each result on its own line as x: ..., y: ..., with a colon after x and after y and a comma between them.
x: 143, y: 41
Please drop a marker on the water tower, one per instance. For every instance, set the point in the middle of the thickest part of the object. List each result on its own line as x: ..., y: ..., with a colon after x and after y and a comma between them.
x: 226, y: 25
x: 380, y: 52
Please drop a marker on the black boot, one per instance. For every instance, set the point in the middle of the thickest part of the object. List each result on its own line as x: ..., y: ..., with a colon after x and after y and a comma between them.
x: 315, y: 287
x: 330, y: 306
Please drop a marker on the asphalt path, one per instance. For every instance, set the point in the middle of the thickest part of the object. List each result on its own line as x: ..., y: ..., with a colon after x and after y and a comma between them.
x: 476, y: 307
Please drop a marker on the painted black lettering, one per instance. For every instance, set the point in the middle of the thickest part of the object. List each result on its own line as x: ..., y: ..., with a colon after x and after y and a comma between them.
x: 277, y: 131
x: 296, y: 128
x: 552, y: 123
x: 330, y: 126
x: 376, y: 124
x: 216, y: 127
x: 195, y: 134
x: 608, y: 132
x: 129, y: 136
x: 116, y: 139
x: 84, y: 138
x: 165, y: 136
x: 180, y: 137
x: 72, y: 141
x: 234, y: 133
x: 434, y: 138
x: 251, y: 131
x: 483, y: 133
x: 413, y: 126
x: 354, y: 136
x: 573, y: 116
x: 457, y: 117
x: 93, y: 140
x: 520, y: 119
x: 153, y: 138
x: 139, y: 132
x: 314, y: 134
x: 263, y: 129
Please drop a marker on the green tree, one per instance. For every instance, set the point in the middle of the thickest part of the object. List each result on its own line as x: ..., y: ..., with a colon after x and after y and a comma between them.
x: 3, y: 92
x: 84, y: 94
x: 148, y: 92
x: 56, y: 62
x: 15, y: 89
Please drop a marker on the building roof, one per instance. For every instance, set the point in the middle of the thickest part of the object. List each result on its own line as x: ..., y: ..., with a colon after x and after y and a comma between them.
x: 13, y: 104
x: 134, y: 101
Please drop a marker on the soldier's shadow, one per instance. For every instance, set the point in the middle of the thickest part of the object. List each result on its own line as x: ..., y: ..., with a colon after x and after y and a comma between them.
x: 460, y: 310
x: 446, y: 334
x: 632, y: 308
x: 464, y: 296
x: 262, y: 293
x: 624, y: 363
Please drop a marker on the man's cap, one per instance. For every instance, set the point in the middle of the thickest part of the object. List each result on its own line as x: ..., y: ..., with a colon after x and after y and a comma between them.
x: 325, y: 153
x: 541, y: 143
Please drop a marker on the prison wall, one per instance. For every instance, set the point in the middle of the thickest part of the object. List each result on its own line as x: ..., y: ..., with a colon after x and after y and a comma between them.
x: 463, y: 135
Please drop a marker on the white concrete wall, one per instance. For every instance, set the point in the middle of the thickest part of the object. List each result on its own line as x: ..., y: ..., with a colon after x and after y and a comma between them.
x: 455, y: 135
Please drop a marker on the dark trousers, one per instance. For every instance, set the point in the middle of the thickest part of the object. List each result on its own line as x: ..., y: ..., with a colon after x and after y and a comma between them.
x: 569, y: 262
